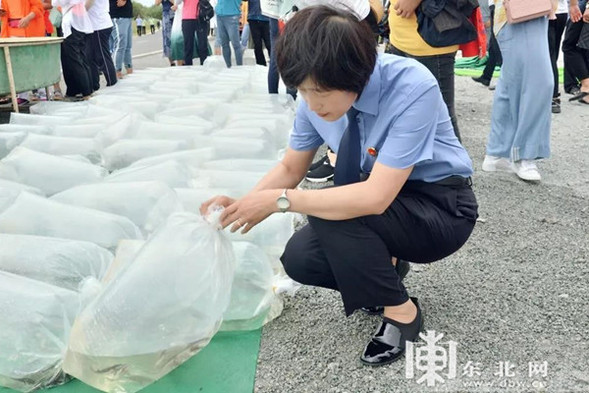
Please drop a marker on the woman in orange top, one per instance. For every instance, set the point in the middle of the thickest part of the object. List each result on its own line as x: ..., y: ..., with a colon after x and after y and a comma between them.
x: 22, y: 18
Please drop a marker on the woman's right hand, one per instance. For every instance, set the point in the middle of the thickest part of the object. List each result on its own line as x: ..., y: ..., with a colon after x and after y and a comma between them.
x: 575, y: 13
x: 586, y: 16
x: 219, y: 200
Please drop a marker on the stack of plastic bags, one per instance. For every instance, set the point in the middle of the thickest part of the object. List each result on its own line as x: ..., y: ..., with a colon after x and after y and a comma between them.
x: 99, y: 209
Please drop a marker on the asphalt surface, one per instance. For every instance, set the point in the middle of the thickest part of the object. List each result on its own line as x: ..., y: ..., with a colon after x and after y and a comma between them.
x: 514, y: 299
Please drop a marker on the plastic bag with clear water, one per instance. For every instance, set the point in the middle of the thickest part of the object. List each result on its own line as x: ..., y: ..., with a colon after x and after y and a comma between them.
x: 158, y: 311
x: 147, y: 204
x: 34, y: 331
x: 123, y: 153
x: 60, y: 262
x: 170, y: 172
x: 32, y: 120
x: 17, y: 187
x: 62, y: 146
x: 253, y: 302
x: 34, y: 215
x: 27, y: 129
x: 10, y: 140
x: 47, y: 172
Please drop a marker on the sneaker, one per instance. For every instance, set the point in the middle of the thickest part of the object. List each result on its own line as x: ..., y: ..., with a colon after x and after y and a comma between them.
x: 320, y: 171
x: 574, y: 90
x: 482, y: 81
x: 56, y: 96
x: 496, y: 164
x: 527, y: 170
x: 556, y: 105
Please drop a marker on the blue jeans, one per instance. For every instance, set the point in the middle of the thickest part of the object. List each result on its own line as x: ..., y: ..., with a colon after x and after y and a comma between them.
x: 228, y: 27
x: 273, y: 77
x: 122, y: 36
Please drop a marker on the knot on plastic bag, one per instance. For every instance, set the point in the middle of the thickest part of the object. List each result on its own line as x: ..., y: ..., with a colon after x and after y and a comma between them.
x: 213, y: 215
x: 284, y: 284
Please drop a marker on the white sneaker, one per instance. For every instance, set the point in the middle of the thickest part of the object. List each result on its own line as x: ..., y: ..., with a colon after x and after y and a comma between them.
x: 496, y: 164
x: 527, y: 170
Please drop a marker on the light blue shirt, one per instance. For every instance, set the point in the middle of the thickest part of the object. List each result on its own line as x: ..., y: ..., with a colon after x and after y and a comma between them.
x: 402, y: 116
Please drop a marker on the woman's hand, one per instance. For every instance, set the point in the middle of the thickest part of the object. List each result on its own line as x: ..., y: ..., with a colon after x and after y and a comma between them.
x: 219, y: 200
x: 26, y: 21
x: 250, y: 210
x: 586, y: 16
x: 406, y: 8
x: 575, y: 13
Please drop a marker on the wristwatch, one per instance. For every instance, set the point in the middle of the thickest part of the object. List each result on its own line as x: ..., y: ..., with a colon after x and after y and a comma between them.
x: 282, y: 202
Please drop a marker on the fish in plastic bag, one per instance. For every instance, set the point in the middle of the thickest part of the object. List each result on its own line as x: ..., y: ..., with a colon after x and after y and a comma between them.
x: 35, y: 323
x: 158, y: 311
x: 49, y: 173
x: 34, y: 215
x: 61, y: 262
x: 147, y: 204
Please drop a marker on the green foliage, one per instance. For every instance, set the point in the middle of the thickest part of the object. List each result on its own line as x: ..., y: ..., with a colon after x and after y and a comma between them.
x: 155, y: 11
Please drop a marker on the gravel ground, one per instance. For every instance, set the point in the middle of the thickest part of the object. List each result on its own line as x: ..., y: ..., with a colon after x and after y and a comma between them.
x: 515, y: 293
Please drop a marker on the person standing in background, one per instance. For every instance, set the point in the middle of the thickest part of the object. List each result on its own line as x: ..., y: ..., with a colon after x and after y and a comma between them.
x: 259, y: 26
x: 405, y: 41
x: 228, y: 12
x: 97, y: 50
x: 77, y: 29
x: 139, y: 24
x: 193, y: 25
x: 494, y: 58
x: 167, y: 20
x: 121, y: 13
x: 577, y: 58
x: 555, y: 31
x: 520, y: 120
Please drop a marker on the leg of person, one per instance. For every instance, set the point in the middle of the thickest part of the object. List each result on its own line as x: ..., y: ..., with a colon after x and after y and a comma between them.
x: 245, y: 35
x: 166, y: 36
x: 233, y: 31
x: 273, y: 69
x: 266, y: 36
x: 75, y: 69
x: 354, y: 256
x: 119, y: 36
x: 127, y: 58
x: 139, y: 31
x: 494, y: 58
x: 256, y: 30
x: 202, y: 33
x: 91, y: 60
x: 103, y: 57
x: 575, y: 58
x: 223, y: 23
x: 442, y: 67
x: 188, y: 31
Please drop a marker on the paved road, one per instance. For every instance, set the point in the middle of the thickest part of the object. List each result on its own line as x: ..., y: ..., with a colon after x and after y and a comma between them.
x: 515, y: 299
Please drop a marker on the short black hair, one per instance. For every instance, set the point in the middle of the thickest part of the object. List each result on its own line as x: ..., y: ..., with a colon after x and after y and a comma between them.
x: 332, y: 47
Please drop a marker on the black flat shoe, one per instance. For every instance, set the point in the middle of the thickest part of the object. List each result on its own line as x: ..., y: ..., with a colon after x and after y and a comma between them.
x: 482, y: 81
x: 402, y: 267
x: 388, y: 343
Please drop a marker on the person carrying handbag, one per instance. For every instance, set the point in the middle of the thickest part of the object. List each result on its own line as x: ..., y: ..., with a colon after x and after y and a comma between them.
x: 521, y: 116
x: 193, y: 24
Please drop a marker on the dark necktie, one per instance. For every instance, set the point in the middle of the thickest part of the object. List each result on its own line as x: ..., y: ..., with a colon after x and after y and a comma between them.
x: 347, y: 165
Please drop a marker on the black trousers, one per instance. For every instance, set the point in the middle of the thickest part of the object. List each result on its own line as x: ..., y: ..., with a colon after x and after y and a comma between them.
x: 260, y: 31
x: 139, y: 31
x: 76, y: 71
x: 425, y: 223
x: 495, y: 59
x: 190, y: 27
x: 577, y: 59
x: 555, y: 31
x: 99, y: 58
x: 442, y: 67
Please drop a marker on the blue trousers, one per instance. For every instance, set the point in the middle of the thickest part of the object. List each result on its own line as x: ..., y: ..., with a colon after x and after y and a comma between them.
x: 520, y: 120
x: 228, y: 27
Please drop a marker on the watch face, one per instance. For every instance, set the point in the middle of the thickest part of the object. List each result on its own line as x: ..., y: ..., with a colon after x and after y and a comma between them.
x: 283, y: 203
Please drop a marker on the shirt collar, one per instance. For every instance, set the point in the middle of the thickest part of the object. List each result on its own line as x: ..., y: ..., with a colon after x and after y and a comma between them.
x: 369, y: 99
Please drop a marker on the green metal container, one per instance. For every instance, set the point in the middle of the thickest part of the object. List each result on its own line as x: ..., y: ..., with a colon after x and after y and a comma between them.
x: 35, y: 62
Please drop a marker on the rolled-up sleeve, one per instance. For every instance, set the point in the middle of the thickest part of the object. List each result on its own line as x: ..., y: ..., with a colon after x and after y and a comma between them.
x: 304, y: 136
x: 410, y: 138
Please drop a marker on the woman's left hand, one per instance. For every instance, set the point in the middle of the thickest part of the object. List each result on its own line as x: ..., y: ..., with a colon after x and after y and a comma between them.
x: 24, y: 22
x: 586, y: 16
x: 406, y: 8
x: 250, y: 210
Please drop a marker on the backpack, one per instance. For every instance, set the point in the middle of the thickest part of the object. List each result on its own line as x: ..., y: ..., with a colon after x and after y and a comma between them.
x: 205, y: 10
